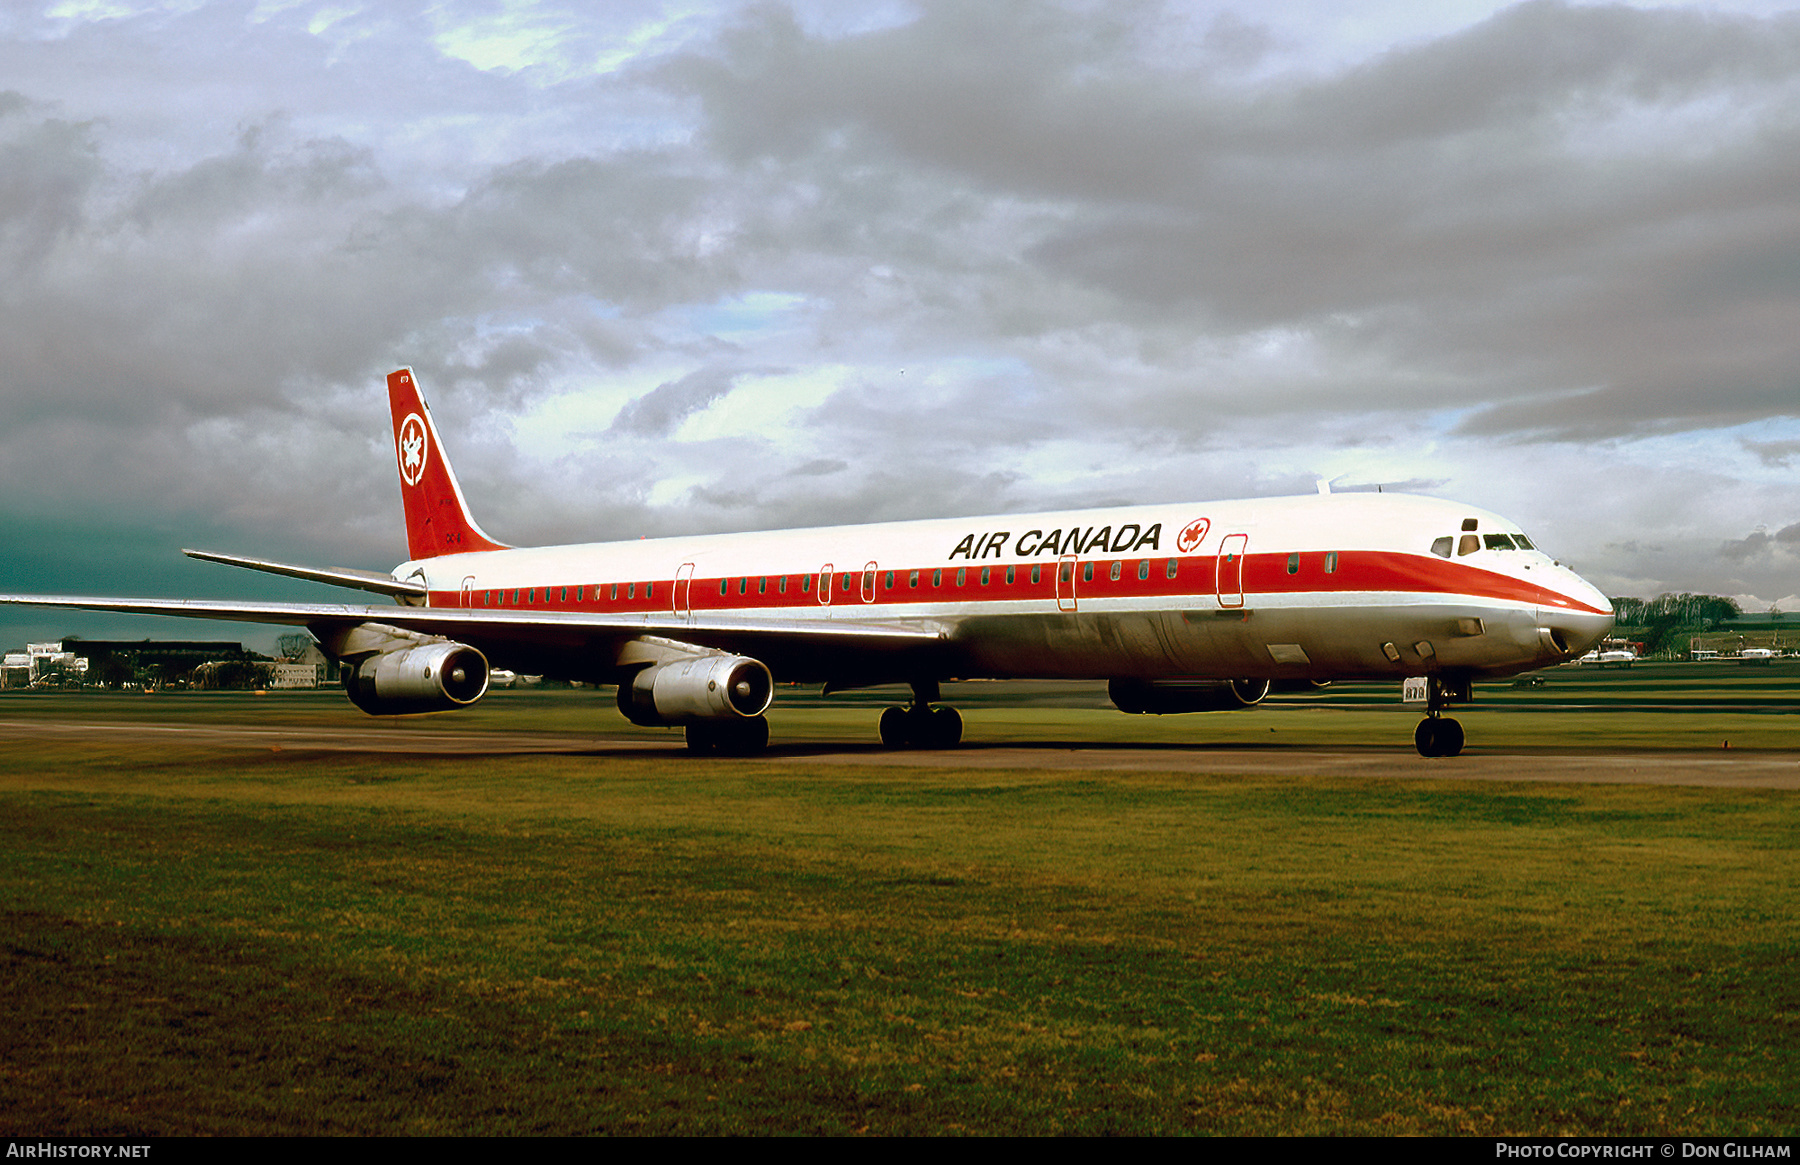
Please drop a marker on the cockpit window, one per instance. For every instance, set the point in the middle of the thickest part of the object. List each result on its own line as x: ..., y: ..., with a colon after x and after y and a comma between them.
x: 1442, y: 546
x: 1468, y: 544
x: 1524, y: 542
x: 1497, y: 541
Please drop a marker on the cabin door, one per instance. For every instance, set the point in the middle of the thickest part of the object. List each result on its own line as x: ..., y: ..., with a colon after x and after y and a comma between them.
x: 1065, y: 583
x: 1231, y: 570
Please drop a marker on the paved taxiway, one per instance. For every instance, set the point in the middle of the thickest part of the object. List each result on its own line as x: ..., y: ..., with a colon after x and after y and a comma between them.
x: 1725, y: 768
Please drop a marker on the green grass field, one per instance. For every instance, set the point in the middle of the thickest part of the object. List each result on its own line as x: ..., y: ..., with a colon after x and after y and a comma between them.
x: 214, y: 939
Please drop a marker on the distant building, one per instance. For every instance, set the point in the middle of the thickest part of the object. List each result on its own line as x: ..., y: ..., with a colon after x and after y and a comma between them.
x: 15, y: 670
x: 152, y: 661
x: 295, y: 675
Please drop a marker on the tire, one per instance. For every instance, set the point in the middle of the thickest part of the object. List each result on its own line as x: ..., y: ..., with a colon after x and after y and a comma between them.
x: 1450, y: 738
x: 946, y: 728
x: 744, y: 737
x: 1438, y: 736
x: 894, y: 727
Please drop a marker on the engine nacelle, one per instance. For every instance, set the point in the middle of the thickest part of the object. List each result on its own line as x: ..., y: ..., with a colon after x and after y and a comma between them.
x: 1165, y: 697
x: 432, y: 677
x: 697, y: 690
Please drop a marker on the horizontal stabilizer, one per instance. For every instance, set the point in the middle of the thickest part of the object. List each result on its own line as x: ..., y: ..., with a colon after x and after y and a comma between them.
x: 337, y: 576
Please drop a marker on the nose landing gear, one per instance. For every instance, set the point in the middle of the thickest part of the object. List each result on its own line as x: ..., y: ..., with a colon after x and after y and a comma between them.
x: 1437, y: 734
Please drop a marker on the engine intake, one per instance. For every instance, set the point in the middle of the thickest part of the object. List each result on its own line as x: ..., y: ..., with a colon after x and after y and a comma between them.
x: 435, y: 677
x: 698, y: 690
x: 1166, y: 697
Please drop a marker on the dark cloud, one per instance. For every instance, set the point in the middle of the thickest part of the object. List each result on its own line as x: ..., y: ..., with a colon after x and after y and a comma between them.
x: 659, y: 411
x: 819, y: 467
x: 1759, y: 544
x: 1777, y: 454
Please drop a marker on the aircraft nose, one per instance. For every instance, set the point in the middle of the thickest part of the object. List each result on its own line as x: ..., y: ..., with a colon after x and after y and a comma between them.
x: 1566, y: 631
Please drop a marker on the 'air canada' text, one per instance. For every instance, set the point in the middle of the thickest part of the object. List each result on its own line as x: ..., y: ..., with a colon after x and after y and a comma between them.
x: 1129, y: 539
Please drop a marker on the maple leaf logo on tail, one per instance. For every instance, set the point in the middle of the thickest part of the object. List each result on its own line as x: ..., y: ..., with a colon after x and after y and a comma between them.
x: 412, y: 449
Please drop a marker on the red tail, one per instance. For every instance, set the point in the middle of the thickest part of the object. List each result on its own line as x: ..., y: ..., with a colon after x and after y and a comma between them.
x: 437, y: 518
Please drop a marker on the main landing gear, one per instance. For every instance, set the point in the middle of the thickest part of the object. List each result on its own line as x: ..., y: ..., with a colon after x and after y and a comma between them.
x: 919, y: 725
x: 745, y: 737
x: 1437, y: 734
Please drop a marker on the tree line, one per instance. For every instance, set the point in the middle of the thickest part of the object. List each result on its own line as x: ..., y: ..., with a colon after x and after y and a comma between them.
x: 1683, y: 610
x: 1666, y: 614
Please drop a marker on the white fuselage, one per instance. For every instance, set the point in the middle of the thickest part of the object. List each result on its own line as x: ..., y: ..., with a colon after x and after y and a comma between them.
x: 1320, y: 587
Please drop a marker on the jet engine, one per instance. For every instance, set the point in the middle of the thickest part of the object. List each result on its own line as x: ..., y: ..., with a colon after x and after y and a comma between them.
x: 432, y: 677
x: 697, y: 690
x: 1164, y: 697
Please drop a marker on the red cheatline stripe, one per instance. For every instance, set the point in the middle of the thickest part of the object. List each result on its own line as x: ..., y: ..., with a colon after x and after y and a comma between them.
x: 1358, y: 572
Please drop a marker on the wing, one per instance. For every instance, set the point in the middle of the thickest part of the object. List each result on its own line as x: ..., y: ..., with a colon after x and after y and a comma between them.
x: 338, y: 576
x: 571, y: 645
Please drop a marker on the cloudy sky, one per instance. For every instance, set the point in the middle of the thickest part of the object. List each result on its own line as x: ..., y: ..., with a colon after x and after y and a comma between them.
x: 703, y: 266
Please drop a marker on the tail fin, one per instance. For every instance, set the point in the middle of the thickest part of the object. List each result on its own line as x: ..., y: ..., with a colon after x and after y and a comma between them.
x: 437, y: 518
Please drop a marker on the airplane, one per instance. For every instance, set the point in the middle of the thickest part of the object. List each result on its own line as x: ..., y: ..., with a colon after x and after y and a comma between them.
x: 1191, y: 607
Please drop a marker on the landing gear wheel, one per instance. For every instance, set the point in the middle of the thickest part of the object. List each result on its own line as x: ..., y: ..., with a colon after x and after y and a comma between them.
x: 1438, y: 736
x: 744, y: 737
x: 729, y: 738
x: 945, y: 728
x: 894, y: 728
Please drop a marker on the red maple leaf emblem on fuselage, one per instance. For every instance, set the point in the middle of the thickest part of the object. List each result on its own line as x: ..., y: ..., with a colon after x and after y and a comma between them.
x: 1192, y: 535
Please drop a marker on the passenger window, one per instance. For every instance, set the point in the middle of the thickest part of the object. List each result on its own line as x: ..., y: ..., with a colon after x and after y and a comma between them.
x: 912, y: 580
x: 1442, y: 546
x: 565, y: 594
x: 937, y: 577
x: 1174, y: 565
x: 1037, y: 573
x: 1294, y: 563
x: 1009, y: 574
x: 724, y: 585
x: 1469, y: 544
x: 1331, y: 562
x: 762, y: 585
x: 1087, y: 572
x: 847, y: 581
x: 962, y: 573
x: 781, y: 585
x: 889, y: 584
x: 984, y: 574
x: 805, y: 584
x: 649, y: 590
x: 1143, y: 570
x: 1068, y: 571
x: 1117, y: 569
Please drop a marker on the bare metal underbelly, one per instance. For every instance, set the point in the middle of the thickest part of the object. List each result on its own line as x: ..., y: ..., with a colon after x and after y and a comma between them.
x: 1361, y: 642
